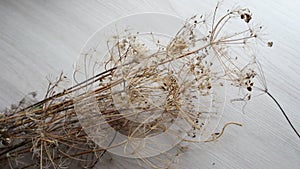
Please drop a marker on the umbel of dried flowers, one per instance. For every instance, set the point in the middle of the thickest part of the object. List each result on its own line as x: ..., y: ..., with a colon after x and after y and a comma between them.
x: 150, y: 88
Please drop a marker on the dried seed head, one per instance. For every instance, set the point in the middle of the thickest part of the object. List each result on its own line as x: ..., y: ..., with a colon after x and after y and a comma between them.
x: 270, y: 44
x: 245, y: 15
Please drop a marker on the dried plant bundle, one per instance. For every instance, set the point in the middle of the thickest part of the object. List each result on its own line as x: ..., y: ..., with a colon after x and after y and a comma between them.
x: 146, y: 95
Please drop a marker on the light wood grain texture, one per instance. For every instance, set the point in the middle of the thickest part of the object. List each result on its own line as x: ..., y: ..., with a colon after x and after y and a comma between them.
x: 41, y: 38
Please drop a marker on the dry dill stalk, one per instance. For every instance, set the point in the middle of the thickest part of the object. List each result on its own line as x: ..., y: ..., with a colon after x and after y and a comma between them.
x: 158, y: 84
x: 264, y: 88
x: 147, y: 88
x: 48, y: 130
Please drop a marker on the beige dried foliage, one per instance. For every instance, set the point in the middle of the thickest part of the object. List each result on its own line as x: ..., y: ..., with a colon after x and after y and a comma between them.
x: 146, y: 86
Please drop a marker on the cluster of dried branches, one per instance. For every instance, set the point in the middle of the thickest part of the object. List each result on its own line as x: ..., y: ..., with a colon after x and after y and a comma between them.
x: 147, y: 87
x: 46, y: 134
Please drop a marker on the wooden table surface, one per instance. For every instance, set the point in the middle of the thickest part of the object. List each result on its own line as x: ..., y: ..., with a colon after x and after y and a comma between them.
x: 41, y: 38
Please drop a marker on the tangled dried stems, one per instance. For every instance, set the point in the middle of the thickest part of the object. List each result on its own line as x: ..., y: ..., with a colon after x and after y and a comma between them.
x: 146, y: 86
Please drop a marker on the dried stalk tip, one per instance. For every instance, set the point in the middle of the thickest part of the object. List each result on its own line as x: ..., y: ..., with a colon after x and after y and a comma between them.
x: 270, y: 44
x: 245, y: 15
x: 149, y: 84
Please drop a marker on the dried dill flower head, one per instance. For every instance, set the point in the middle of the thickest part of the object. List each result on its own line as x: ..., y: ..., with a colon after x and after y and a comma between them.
x: 171, y: 85
x: 141, y: 95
